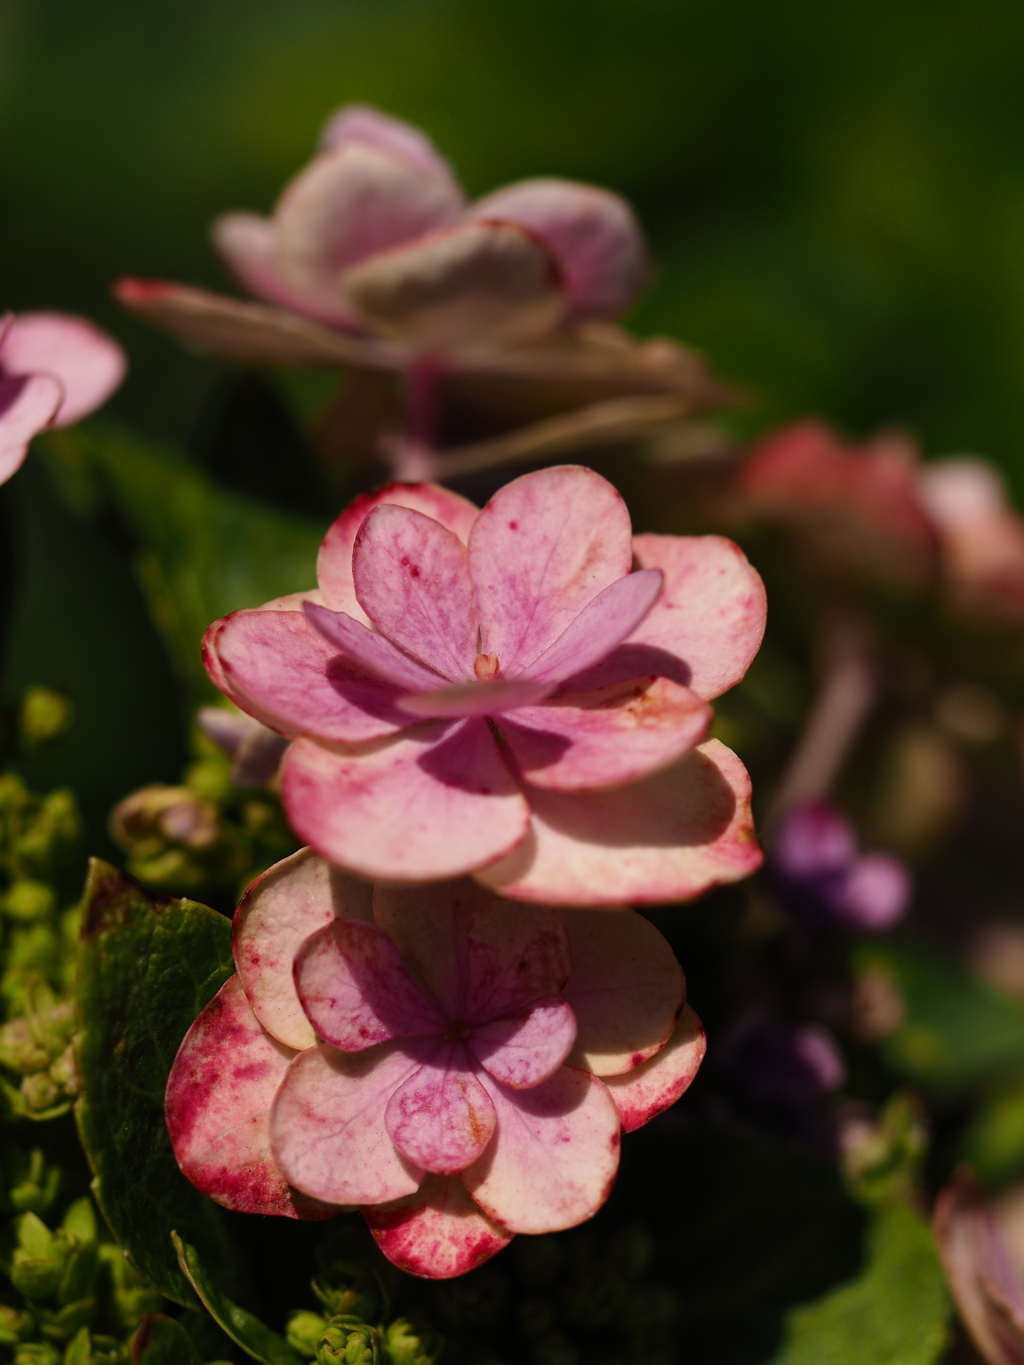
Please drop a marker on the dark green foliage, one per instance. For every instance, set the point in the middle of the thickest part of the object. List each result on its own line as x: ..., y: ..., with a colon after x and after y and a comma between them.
x: 159, y: 1340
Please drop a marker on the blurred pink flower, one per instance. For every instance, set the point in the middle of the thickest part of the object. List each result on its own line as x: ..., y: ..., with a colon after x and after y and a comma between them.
x: 496, y: 692
x: 457, y: 1066
x: 54, y: 370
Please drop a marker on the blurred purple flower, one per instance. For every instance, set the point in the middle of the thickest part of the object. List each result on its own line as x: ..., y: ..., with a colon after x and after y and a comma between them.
x: 776, y: 1063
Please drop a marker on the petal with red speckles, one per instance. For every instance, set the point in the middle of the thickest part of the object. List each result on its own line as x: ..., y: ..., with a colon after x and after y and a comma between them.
x: 651, y: 1088
x: 525, y: 1048
x: 442, y: 1118
x: 436, y: 1233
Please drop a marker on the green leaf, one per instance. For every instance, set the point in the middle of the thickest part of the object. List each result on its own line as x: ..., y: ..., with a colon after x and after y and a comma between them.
x: 159, y: 1340
x: 147, y: 966
x: 241, y: 1326
x: 895, y: 1313
x: 203, y: 551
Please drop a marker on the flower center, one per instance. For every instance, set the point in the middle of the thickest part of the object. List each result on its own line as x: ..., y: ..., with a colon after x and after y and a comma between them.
x: 457, y: 1030
x: 486, y: 666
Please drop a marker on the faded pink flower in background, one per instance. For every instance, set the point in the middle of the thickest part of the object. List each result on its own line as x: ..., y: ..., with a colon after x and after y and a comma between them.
x: 55, y: 369
x: 457, y: 1066
x: 495, y: 692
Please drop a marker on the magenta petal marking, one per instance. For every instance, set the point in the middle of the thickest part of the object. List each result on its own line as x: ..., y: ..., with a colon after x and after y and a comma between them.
x: 554, y: 1156
x: 436, y: 1233
x: 412, y: 581
x: 517, y: 954
x: 327, y: 1126
x: 356, y: 990
x: 476, y: 698
x: 650, y: 1089
x: 368, y: 649
x: 442, y: 1118
x: 542, y: 548
x: 527, y: 1047
x: 602, y: 624
x: 218, y: 1100
x: 26, y: 407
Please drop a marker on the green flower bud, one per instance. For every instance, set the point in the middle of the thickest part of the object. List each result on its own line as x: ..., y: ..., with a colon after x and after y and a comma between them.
x: 304, y: 1331
x: 44, y: 715
x: 20, y: 1049
x: 35, y: 1186
x: 15, y: 1325
x: 53, y: 830
x: 36, y: 1353
x: 29, y: 900
x: 347, y: 1341
x: 349, y: 1289
x: 409, y: 1344
x: 40, y: 1093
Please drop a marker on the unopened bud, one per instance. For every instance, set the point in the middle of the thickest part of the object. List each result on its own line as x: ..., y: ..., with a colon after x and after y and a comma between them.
x: 29, y: 900
x: 409, y: 1344
x: 15, y: 1325
x: 347, y: 1341
x: 45, y: 714
x: 304, y: 1331
x: 349, y: 1289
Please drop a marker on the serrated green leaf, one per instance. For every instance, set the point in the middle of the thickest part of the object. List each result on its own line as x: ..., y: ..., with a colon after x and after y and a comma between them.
x: 147, y: 966
x: 895, y: 1313
x: 242, y: 1327
x: 159, y: 1340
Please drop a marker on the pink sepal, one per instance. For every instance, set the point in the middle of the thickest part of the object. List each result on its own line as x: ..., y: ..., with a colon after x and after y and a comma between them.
x: 651, y: 1088
x: 436, y: 1233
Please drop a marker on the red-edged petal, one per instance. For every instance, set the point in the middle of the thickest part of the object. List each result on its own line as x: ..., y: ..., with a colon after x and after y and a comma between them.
x: 603, y: 624
x: 436, y: 802
x: 278, y: 668
x: 604, y: 738
x: 427, y: 924
x: 412, y: 581
x: 436, y: 1233
x: 327, y: 1126
x: 626, y: 988
x: 334, y: 564
x: 222, y: 1084
x: 543, y: 547
x: 87, y: 363
x: 554, y: 1156
x: 525, y: 1048
x: 592, y: 234
x: 356, y: 990
x: 515, y: 955
x: 666, y: 838
x: 27, y: 406
x: 290, y: 901
x: 247, y: 245
x: 368, y: 650
x: 654, y: 1085
x: 362, y: 124
x: 441, y: 1118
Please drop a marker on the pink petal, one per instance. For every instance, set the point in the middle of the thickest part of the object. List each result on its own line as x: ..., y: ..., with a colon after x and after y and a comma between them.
x: 247, y: 245
x: 412, y: 581
x: 592, y: 234
x: 27, y: 406
x: 436, y: 1233
x: 707, y: 625
x: 553, y: 1159
x: 290, y: 901
x: 486, y: 698
x: 441, y: 1118
x: 334, y: 565
x: 222, y: 1084
x: 543, y: 547
x: 476, y: 282
x: 655, y: 1084
x: 370, y: 651
x: 364, y: 125
x: 428, y: 924
x: 603, y: 623
x: 607, y: 737
x: 527, y: 1047
x: 327, y: 1126
x: 666, y: 838
x: 626, y: 989
x: 349, y: 204
x: 436, y: 802
x: 516, y: 955
x: 87, y: 363
x: 357, y: 991
x: 279, y: 669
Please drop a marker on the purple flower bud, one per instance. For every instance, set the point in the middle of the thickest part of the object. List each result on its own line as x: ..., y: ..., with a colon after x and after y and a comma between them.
x: 876, y: 890
x: 813, y: 839
x: 792, y: 1065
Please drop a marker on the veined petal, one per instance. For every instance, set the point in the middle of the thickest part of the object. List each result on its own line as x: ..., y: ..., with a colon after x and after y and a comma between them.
x: 87, y: 363
x: 483, y: 698
x: 327, y: 1126
x: 652, y: 1087
x: 515, y: 955
x: 412, y: 581
x: 554, y: 1156
x: 605, y: 738
x: 247, y: 245
x: 626, y: 989
x: 544, y: 546
x: 441, y: 1118
x: 525, y: 1048
x: 668, y: 837
x: 356, y: 990
x: 222, y: 1084
x: 290, y: 901
x: 369, y: 127
x: 604, y: 622
x: 334, y: 563
x: 27, y: 406
x: 429, y: 925
x: 436, y: 802
x: 370, y: 651
x: 436, y: 1233
x: 279, y: 669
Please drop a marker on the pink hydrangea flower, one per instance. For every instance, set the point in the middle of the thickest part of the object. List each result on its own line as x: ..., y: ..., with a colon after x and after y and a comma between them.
x: 54, y: 370
x: 496, y: 692
x: 457, y: 1066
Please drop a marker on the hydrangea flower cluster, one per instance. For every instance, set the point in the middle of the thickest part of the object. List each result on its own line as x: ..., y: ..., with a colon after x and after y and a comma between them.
x: 458, y: 1066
